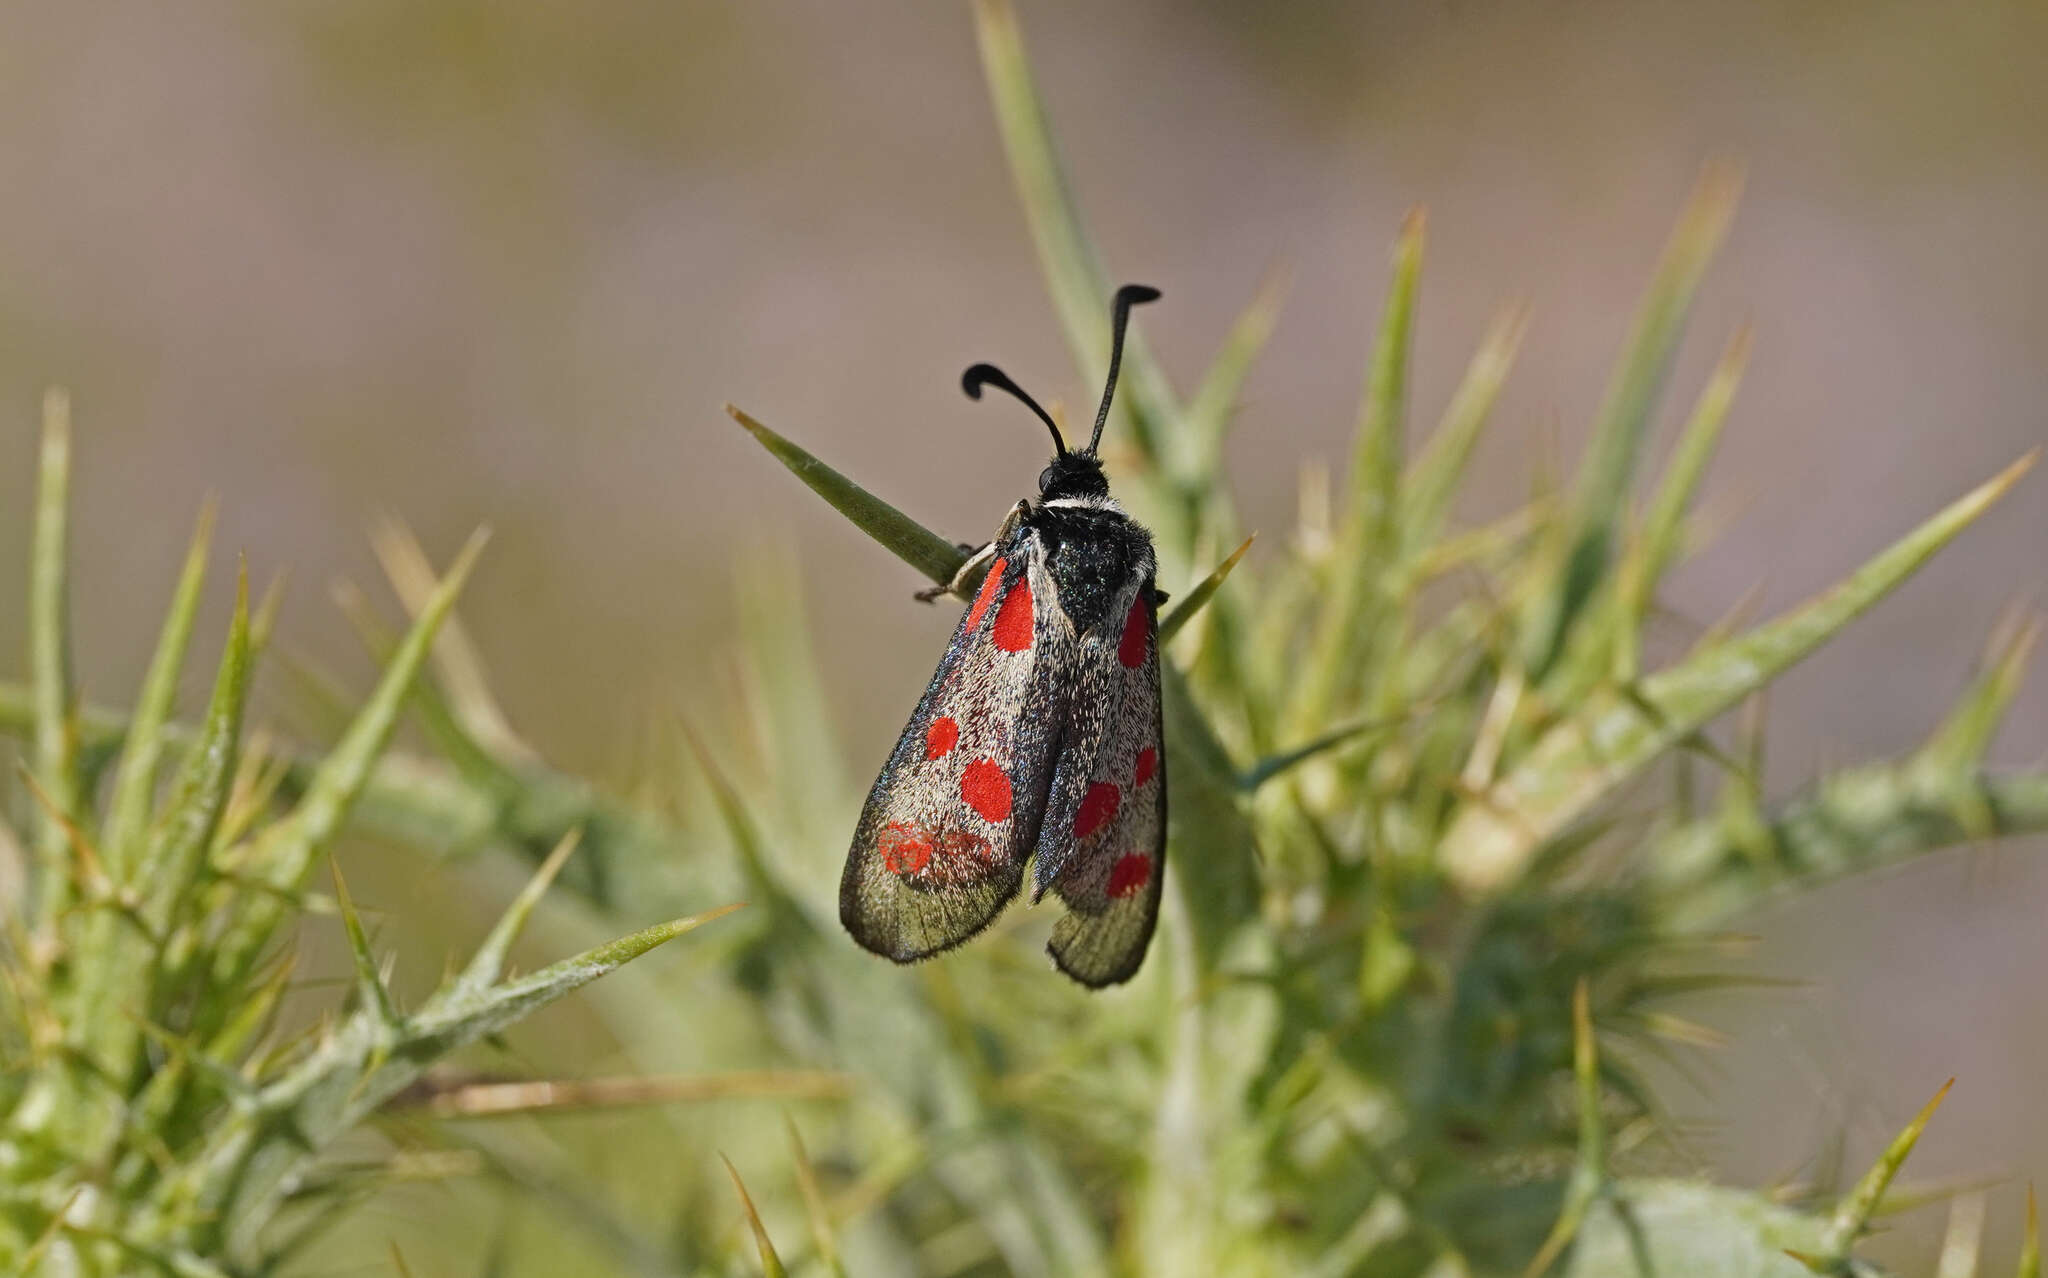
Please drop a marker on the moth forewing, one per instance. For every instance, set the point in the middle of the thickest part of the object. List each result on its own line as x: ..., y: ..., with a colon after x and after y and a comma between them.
x: 943, y: 838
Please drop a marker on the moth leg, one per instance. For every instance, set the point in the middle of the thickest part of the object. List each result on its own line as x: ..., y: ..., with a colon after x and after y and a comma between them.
x: 977, y: 560
x: 1159, y: 597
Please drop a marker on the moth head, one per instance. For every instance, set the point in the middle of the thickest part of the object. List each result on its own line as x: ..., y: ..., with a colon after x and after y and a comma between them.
x: 1075, y: 473
x: 1072, y: 475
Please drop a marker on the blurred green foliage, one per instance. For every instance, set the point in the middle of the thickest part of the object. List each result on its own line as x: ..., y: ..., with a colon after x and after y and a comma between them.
x: 1441, y: 858
x: 160, y: 1115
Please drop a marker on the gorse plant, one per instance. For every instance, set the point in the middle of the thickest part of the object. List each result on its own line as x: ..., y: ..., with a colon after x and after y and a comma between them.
x: 1444, y: 847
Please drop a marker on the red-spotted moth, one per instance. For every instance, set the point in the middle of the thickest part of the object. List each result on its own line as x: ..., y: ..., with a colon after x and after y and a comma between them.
x: 1038, y: 738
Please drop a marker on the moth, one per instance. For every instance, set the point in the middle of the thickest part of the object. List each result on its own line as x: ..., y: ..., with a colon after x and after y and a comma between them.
x: 1039, y: 737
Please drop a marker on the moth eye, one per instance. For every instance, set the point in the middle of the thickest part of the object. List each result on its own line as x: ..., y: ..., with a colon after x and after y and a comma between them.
x: 1045, y: 479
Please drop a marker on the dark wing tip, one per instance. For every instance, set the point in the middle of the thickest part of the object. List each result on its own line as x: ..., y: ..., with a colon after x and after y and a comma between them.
x: 1100, y: 980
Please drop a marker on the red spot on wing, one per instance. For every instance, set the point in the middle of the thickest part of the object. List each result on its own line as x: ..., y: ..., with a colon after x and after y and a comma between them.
x: 1012, y: 632
x: 1098, y: 808
x: 941, y: 737
x: 965, y: 854
x: 1132, y: 871
x: 905, y: 848
x: 986, y: 788
x: 1131, y: 650
x: 1148, y: 763
x: 989, y: 583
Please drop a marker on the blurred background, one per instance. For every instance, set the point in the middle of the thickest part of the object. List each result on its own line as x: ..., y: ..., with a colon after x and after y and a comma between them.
x: 469, y: 262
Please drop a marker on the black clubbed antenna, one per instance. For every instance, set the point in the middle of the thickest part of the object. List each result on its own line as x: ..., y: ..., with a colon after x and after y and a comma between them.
x: 981, y: 375
x: 1126, y: 297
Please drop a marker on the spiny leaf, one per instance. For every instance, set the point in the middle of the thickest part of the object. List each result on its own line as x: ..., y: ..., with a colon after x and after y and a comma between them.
x: 1960, y: 743
x: 172, y: 858
x: 462, y: 1017
x: 1366, y: 537
x: 458, y: 665
x: 1624, y: 418
x: 360, y: 1064
x: 56, y: 753
x: 423, y: 804
x: 1589, y: 1175
x: 1586, y: 1072
x: 1856, y: 1210
x: 1658, y: 546
x: 444, y: 727
x: 369, y: 982
x: 771, y: 1264
x: 489, y: 959
x: 1705, y: 873
x: 1274, y: 765
x: 286, y: 851
x: 1376, y: 459
x: 340, y: 776
x: 1192, y: 602
x: 1689, y: 462
x: 1196, y: 445
x: 124, y: 966
x: 896, y: 532
x: 128, y: 811
x: 1587, y: 756
x: 1433, y: 477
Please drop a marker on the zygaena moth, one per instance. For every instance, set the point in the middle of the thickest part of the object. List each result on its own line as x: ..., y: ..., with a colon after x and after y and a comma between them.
x: 1038, y: 739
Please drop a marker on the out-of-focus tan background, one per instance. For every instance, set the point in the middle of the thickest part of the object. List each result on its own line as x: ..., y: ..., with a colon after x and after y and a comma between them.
x: 502, y: 261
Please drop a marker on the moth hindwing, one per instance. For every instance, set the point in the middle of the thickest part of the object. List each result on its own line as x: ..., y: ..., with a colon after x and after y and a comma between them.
x: 1038, y: 738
